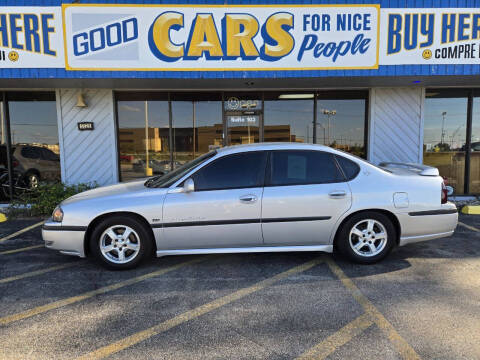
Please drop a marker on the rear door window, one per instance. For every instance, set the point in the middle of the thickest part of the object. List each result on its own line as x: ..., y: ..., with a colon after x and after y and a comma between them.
x: 49, y: 155
x: 299, y: 167
x: 350, y: 168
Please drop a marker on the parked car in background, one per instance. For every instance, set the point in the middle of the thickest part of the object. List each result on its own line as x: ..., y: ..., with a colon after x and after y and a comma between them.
x: 155, y: 165
x: 257, y: 198
x: 33, y: 162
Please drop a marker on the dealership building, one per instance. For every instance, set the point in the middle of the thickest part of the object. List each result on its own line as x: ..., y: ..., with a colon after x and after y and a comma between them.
x: 116, y: 90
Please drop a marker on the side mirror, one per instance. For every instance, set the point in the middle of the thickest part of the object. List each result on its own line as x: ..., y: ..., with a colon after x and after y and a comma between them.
x: 188, y: 186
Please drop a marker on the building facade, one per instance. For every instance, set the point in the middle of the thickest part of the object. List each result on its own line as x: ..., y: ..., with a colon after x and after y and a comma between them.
x: 110, y: 91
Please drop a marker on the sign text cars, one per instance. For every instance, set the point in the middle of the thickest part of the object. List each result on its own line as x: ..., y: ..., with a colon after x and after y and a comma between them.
x: 217, y: 37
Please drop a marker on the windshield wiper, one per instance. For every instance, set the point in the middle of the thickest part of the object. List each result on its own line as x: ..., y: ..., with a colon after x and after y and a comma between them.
x: 151, y: 182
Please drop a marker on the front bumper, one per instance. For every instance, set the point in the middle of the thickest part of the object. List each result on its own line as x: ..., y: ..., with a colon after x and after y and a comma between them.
x: 68, y: 240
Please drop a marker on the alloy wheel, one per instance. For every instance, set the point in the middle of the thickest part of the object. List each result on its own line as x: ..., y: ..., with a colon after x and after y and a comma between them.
x: 368, y: 237
x: 120, y: 244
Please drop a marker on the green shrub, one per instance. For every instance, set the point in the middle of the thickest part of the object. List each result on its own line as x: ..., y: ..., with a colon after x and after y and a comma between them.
x: 42, y: 200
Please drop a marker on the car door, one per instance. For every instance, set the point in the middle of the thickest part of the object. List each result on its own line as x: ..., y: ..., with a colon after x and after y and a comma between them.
x: 225, y: 208
x: 305, y: 194
x: 49, y: 164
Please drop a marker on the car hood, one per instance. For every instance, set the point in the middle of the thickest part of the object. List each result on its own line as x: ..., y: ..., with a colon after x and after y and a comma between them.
x: 122, y: 189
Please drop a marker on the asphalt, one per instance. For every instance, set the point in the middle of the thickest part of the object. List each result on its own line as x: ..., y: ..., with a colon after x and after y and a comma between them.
x: 423, y: 301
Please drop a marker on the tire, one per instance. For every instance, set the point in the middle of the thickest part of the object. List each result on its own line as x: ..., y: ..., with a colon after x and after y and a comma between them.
x: 32, y: 180
x: 363, y: 243
x: 135, y: 248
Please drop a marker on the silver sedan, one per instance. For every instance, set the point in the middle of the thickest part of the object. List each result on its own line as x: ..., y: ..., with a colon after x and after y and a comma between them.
x: 257, y: 198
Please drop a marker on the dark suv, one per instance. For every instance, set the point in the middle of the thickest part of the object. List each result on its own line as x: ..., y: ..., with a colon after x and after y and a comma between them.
x: 34, y: 163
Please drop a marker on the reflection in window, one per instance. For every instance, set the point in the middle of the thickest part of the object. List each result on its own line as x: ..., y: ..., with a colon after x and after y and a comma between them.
x: 444, y: 135
x: 475, y: 153
x: 302, y: 168
x: 143, y: 132
x: 34, y: 134
x: 289, y: 118
x: 3, y: 138
x: 197, y: 128
x: 341, y: 124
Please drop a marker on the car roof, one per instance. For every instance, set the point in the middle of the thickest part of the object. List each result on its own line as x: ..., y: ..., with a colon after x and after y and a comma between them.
x: 272, y: 146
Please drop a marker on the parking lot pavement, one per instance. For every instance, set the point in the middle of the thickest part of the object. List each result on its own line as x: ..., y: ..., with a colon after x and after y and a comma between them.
x: 423, y: 301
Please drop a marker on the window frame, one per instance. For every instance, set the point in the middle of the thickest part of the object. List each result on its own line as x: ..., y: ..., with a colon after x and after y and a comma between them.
x: 261, y: 175
x: 336, y: 156
x: 268, y: 171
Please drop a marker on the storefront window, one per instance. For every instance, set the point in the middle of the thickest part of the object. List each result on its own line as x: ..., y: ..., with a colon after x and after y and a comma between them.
x: 34, y: 136
x: 170, y: 129
x: 445, y: 135
x: 2, y: 127
x: 475, y: 147
x: 288, y: 117
x: 341, y: 121
x: 197, y: 125
x: 143, y: 137
x: 243, y: 114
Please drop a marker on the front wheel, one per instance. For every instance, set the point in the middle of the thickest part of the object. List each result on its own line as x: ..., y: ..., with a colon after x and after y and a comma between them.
x: 120, y: 242
x: 367, y: 238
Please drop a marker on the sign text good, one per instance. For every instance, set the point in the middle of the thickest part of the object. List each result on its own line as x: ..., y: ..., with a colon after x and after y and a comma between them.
x: 221, y: 37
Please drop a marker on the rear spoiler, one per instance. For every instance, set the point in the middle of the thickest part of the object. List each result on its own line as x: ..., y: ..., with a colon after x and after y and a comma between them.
x: 423, y: 170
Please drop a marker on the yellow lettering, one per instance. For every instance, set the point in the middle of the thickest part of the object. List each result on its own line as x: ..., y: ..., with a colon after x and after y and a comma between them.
x: 204, y: 37
x: 275, y: 30
x: 161, y: 34
x: 241, y: 28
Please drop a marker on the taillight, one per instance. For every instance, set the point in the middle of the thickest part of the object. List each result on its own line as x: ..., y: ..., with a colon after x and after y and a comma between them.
x: 444, y: 193
x: 15, y: 163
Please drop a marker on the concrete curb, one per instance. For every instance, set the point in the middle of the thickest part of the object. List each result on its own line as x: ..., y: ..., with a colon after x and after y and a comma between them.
x: 471, y: 209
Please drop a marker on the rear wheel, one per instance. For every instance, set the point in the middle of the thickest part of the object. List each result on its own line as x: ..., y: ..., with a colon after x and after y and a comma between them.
x: 120, y: 242
x: 367, y: 238
x: 32, y: 180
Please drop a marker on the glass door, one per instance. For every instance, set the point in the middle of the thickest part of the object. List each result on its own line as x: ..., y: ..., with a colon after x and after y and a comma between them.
x: 243, y: 118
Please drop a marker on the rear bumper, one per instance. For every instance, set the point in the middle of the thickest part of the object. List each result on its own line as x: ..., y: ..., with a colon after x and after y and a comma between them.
x: 67, y: 240
x: 427, y: 225
x: 404, y: 240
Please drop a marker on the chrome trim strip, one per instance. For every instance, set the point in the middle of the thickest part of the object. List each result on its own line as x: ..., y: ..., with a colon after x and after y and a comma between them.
x: 239, y: 221
x: 293, y: 219
x: 259, y: 249
x: 72, y: 253
x: 63, y: 228
x: 433, y: 212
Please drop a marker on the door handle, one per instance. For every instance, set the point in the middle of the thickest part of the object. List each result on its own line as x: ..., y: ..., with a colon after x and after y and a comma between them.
x: 337, y: 194
x: 248, y: 198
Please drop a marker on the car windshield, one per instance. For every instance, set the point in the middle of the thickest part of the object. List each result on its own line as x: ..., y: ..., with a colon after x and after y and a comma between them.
x: 162, y: 181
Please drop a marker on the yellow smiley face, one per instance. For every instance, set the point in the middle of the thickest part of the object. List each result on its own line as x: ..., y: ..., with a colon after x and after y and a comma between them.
x: 13, y: 56
x: 427, y: 54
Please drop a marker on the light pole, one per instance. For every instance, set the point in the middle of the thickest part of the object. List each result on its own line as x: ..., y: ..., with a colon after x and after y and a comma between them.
x: 443, y: 126
x: 329, y: 114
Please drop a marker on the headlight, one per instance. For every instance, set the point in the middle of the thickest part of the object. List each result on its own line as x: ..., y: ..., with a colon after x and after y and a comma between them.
x: 57, y: 214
